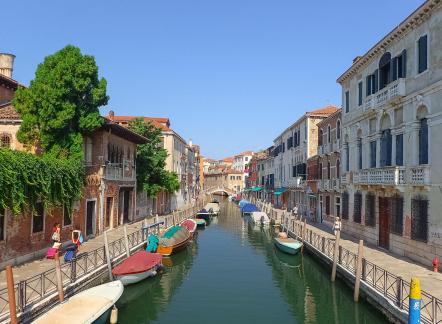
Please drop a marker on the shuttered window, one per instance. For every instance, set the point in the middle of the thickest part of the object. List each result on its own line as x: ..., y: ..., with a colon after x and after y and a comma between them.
x: 338, y: 169
x: 327, y: 205
x: 345, y: 205
x: 397, y: 214
x: 289, y: 142
x: 357, y: 208
x: 419, y: 219
x: 67, y: 216
x: 422, y: 52
x: 320, y: 171
x: 359, y: 153
x: 368, y: 85
x: 370, y: 209
x: 401, y: 65
x: 294, y: 171
x: 38, y: 218
x: 400, y: 149
x: 347, y: 101
x: 386, y: 148
x: 423, y: 141
x: 394, y: 67
x: 373, y: 148
x: 360, y: 93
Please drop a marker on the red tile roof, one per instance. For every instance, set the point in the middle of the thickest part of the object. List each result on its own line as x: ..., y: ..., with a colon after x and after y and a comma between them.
x: 327, y: 110
x: 7, y: 111
x: 160, y: 122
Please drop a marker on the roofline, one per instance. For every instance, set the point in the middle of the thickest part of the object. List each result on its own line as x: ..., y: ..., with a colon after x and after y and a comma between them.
x: 415, y: 18
x: 330, y: 116
x: 136, y: 138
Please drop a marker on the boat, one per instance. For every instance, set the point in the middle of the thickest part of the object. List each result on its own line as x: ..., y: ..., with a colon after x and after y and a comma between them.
x: 138, y: 267
x: 213, y: 208
x: 248, y: 209
x: 259, y: 217
x: 204, y: 214
x: 287, y: 245
x: 200, y: 222
x: 173, y: 240
x: 243, y: 202
x: 89, y: 306
x: 191, y: 225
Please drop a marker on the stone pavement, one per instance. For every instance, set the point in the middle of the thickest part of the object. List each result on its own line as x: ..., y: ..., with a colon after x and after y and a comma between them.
x: 35, y: 267
x: 431, y: 282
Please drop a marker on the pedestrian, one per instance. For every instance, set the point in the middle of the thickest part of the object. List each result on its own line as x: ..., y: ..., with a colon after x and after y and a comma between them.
x: 337, y: 225
x: 56, y: 230
x: 295, y: 210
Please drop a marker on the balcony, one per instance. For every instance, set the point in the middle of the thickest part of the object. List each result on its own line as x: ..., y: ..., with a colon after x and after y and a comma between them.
x: 296, y: 182
x: 391, y: 92
x: 393, y: 176
x: 329, y: 184
x: 120, y: 171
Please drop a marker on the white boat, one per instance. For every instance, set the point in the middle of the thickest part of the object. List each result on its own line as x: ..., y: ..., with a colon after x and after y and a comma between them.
x: 90, y: 306
x: 213, y: 208
x: 137, y: 267
x: 260, y: 218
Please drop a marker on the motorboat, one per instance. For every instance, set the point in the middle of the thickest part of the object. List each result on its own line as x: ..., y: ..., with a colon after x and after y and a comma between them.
x: 173, y: 240
x: 138, y: 267
x: 287, y: 245
x: 259, y: 217
x: 190, y: 224
x: 204, y: 214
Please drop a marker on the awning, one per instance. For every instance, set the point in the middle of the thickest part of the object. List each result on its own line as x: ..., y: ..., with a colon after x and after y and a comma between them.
x: 280, y: 191
x: 255, y: 189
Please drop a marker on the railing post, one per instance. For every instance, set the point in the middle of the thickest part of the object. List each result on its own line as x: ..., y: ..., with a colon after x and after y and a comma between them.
x: 323, y: 245
x: 108, y: 258
x: 358, y: 271
x: 59, y: 278
x: 74, y: 270
x: 126, y: 240
x: 11, y: 295
x: 335, y: 255
x: 364, y: 269
x: 400, y: 292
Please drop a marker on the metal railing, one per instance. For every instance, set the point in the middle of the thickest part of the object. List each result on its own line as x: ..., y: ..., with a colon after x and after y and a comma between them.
x: 393, y: 288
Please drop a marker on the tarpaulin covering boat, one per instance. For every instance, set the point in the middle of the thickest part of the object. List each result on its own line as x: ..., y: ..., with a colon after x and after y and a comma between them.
x: 249, y: 208
x: 174, y: 239
x: 137, y: 267
x: 190, y: 224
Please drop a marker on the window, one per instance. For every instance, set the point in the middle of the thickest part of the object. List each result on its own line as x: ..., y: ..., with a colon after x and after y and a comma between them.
x: 345, y: 205
x: 347, y: 101
x: 246, y: 159
x: 419, y: 219
x: 338, y: 129
x: 320, y: 137
x: 423, y: 141
x: 347, y: 157
x: 294, y: 171
x: 328, y: 170
x: 338, y: 206
x: 372, y: 83
x: 320, y: 171
x: 359, y: 153
x: 373, y: 148
x: 400, y: 66
x: 67, y: 216
x: 360, y: 93
x: 338, y: 169
x: 385, y: 70
x: 2, y: 224
x: 370, y: 209
x: 386, y: 148
x: 357, y: 210
x: 397, y: 212
x: 422, y: 54
x: 400, y: 149
x: 328, y: 134
x: 5, y: 141
x: 327, y: 205
x: 295, y: 139
x: 289, y: 142
x: 38, y: 218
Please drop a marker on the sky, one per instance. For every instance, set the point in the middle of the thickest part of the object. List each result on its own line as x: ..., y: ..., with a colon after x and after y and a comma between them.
x: 230, y: 74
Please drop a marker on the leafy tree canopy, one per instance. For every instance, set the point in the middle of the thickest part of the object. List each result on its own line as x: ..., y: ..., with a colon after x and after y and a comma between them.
x: 151, y: 161
x: 61, y: 103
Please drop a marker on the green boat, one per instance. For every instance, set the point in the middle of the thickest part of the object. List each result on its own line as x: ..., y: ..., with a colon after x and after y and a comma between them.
x: 287, y: 245
x: 200, y: 222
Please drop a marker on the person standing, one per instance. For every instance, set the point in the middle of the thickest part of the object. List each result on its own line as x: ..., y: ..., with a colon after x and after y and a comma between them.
x: 56, y: 230
x: 337, y: 225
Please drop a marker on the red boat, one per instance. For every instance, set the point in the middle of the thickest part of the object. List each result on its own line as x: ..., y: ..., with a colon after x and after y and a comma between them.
x: 190, y: 224
x: 137, y: 267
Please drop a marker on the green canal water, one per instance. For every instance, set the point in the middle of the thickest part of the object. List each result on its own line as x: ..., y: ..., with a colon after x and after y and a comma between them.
x: 233, y: 274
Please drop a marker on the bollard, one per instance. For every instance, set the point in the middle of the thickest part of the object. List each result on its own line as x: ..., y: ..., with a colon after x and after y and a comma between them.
x: 126, y: 241
x: 414, y: 313
x: 358, y: 271
x: 59, y: 278
x: 108, y: 259
x: 11, y: 295
x: 335, y: 255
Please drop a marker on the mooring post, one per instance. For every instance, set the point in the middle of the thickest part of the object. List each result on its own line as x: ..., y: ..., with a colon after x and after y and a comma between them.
x: 358, y: 270
x: 11, y: 295
x: 108, y: 258
x: 335, y: 255
x: 59, y: 278
x: 415, y: 297
x: 126, y: 240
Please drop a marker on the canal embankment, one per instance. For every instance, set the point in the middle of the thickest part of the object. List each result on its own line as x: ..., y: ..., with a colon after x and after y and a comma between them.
x: 385, y: 278
x: 36, y: 287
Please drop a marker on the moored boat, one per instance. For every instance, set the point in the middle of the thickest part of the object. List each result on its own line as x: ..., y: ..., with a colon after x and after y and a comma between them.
x: 173, y: 240
x: 200, y: 222
x: 260, y: 218
x: 204, y: 214
x: 190, y: 224
x: 287, y: 245
x: 138, y: 267
x: 90, y: 306
x: 248, y: 209
x: 213, y: 207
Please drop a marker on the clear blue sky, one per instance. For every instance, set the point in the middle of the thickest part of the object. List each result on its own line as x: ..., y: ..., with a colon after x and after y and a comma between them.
x: 230, y: 74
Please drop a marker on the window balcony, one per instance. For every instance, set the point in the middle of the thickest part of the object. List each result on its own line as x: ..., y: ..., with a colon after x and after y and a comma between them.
x: 296, y: 182
x: 393, y: 176
x: 329, y: 184
x: 391, y: 92
x: 120, y: 171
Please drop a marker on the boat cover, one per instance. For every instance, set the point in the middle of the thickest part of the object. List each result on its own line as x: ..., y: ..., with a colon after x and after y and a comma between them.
x: 139, y: 262
x: 203, y: 211
x: 243, y: 202
x: 180, y: 234
x: 190, y: 224
x: 249, y: 208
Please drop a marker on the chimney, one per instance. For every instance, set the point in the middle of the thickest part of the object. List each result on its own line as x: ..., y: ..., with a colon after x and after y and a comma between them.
x: 6, y: 64
x: 111, y: 114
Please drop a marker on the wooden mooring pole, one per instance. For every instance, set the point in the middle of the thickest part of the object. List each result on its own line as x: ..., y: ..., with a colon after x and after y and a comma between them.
x: 126, y: 241
x: 358, y: 270
x: 59, y: 278
x: 335, y: 255
x: 11, y: 295
x: 108, y: 258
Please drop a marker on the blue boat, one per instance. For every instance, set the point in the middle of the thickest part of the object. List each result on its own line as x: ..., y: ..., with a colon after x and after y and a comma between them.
x: 247, y: 209
x: 287, y: 245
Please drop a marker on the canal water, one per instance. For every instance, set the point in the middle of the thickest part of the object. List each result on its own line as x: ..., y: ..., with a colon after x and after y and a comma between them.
x: 233, y: 274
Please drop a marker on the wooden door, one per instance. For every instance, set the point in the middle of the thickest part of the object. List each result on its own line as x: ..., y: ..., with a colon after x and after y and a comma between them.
x: 384, y: 222
x: 90, y: 217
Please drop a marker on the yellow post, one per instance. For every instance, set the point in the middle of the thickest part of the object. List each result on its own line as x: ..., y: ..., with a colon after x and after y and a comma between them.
x: 414, y: 313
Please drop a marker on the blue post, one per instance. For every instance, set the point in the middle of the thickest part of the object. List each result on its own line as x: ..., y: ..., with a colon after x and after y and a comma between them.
x: 414, y: 312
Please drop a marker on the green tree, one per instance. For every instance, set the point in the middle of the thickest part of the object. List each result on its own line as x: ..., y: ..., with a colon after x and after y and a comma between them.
x: 61, y: 103
x: 151, y: 161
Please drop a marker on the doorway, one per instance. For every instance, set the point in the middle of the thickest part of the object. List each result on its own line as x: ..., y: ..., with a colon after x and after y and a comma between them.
x: 384, y: 222
x: 90, y: 217
x: 109, y: 208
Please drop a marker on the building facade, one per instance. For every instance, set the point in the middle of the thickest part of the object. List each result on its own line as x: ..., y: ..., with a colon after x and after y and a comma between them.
x: 391, y: 126
x: 229, y: 179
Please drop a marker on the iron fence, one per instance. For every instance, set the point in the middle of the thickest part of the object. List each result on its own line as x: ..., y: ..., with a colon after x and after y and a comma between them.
x: 390, y: 286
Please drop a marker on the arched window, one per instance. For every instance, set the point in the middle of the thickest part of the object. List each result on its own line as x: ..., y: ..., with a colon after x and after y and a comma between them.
x: 338, y: 129
x: 5, y: 140
x: 421, y: 115
x: 338, y: 169
x: 385, y: 76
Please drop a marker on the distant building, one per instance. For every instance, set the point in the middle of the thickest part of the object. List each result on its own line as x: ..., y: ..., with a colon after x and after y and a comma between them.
x: 229, y: 178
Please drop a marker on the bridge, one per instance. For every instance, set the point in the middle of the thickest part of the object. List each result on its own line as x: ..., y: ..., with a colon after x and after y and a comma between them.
x: 220, y: 190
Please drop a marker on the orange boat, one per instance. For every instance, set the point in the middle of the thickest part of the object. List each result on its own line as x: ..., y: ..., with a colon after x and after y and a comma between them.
x: 173, y: 240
